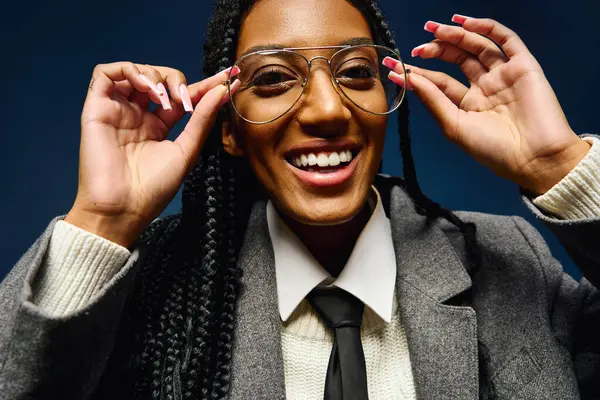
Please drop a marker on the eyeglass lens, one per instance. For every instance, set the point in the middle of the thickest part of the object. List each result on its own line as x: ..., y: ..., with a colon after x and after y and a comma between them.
x: 272, y: 81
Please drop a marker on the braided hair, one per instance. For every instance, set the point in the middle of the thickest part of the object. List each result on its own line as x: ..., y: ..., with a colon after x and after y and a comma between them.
x: 185, y: 297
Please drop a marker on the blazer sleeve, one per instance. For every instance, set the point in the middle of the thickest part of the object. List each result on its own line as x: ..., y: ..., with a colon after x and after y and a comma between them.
x: 574, y: 307
x: 41, y: 352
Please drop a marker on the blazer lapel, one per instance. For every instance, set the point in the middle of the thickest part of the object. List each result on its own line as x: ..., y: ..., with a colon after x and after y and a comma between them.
x: 257, y: 362
x: 442, y: 339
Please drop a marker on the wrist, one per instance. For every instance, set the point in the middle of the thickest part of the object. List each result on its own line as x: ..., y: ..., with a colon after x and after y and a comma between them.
x: 550, y: 171
x: 122, y: 230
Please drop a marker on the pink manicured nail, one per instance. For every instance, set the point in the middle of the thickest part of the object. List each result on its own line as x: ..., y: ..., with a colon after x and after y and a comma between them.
x: 399, y: 79
x: 185, y: 98
x: 236, y: 70
x: 417, y: 51
x: 151, y: 84
x: 164, y: 97
x: 431, y: 26
x: 234, y: 87
x: 390, y: 62
x: 459, y: 19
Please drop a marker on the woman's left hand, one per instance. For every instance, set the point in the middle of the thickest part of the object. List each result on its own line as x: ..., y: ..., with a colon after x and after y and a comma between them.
x: 509, y: 119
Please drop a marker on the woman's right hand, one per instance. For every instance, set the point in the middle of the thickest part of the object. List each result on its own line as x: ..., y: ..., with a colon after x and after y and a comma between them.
x: 128, y: 170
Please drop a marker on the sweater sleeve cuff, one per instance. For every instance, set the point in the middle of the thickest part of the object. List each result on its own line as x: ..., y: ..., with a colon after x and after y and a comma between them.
x: 577, y: 195
x: 76, y: 266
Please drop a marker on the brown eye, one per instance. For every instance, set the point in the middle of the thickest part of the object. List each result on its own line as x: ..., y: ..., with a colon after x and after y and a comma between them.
x: 270, y: 78
x: 272, y: 82
x: 359, y: 72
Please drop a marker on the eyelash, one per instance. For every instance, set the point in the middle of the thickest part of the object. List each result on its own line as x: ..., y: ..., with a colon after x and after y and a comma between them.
x: 265, y: 72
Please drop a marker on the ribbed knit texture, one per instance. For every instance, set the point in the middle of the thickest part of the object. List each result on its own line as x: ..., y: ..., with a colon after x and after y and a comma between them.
x: 576, y: 196
x: 306, y: 345
x: 76, y: 266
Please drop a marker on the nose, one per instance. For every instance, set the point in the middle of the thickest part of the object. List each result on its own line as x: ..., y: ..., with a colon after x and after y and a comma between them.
x: 322, y: 109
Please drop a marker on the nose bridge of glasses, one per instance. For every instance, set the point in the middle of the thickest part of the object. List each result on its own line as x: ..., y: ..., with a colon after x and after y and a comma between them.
x: 327, y: 64
x: 310, y: 61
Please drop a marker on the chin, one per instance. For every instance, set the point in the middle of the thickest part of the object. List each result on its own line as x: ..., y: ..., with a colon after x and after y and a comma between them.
x: 324, y: 212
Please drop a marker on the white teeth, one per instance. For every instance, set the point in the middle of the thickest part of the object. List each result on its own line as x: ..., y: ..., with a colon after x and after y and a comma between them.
x: 334, y: 159
x: 322, y: 160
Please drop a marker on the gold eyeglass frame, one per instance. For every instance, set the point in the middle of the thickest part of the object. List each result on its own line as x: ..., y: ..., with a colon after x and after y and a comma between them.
x: 305, y: 83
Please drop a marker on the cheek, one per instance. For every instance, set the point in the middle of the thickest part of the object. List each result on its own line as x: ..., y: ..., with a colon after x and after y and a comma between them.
x: 259, y: 144
x: 262, y: 109
x: 374, y: 100
x: 374, y: 129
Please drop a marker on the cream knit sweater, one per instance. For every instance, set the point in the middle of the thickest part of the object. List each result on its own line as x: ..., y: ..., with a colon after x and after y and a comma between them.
x: 78, y: 264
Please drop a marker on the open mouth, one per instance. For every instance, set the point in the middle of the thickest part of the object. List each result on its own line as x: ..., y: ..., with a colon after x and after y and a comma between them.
x: 322, y: 162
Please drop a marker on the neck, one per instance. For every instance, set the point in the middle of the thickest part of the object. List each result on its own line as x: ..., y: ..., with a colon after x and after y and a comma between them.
x: 331, y: 245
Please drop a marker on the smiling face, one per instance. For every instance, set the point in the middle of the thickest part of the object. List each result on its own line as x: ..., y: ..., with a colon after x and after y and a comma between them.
x: 322, y: 123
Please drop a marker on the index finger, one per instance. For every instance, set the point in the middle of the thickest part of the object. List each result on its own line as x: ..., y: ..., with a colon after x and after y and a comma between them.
x: 507, y: 39
x: 199, y: 89
x: 193, y: 136
x: 105, y: 76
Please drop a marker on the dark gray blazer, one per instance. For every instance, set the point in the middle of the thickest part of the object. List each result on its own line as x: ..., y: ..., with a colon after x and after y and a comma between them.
x: 542, y: 328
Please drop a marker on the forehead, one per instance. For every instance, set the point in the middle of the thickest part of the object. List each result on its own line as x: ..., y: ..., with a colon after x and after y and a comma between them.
x: 300, y: 23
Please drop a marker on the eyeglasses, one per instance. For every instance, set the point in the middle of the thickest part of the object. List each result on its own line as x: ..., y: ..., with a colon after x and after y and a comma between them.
x: 272, y: 81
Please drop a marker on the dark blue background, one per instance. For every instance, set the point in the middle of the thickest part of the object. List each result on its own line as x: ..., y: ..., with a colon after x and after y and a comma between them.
x: 50, y: 48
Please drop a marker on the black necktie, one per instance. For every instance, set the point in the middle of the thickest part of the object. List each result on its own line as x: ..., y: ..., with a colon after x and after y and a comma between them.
x: 342, y: 312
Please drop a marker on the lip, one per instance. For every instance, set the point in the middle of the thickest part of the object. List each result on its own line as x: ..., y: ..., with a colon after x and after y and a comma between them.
x: 319, y: 180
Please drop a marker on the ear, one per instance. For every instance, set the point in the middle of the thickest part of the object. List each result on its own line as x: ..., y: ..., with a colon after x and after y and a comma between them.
x: 230, y: 142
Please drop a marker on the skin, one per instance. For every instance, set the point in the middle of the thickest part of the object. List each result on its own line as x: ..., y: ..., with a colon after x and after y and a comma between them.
x: 327, y: 220
x: 508, y: 119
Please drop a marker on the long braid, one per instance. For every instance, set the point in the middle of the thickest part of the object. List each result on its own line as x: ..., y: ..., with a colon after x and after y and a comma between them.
x: 149, y: 344
x: 189, y: 301
x: 190, y: 281
x: 230, y: 282
x: 426, y: 206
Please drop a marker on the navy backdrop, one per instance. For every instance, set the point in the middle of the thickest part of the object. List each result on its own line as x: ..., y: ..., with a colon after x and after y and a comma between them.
x: 50, y: 48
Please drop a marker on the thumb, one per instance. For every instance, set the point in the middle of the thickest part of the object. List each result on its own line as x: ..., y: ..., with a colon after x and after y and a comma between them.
x: 435, y: 101
x: 193, y: 136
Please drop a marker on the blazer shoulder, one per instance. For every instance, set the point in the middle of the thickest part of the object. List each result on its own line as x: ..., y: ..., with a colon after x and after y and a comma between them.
x: 503, y: 234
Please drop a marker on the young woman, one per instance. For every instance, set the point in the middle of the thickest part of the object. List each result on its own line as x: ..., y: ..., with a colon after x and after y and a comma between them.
x: 285, y: 217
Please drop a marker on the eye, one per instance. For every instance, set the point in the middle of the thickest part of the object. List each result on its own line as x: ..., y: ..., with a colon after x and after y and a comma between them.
x: 271, y: 77
x: 363, y: 71
x: 271, y: 82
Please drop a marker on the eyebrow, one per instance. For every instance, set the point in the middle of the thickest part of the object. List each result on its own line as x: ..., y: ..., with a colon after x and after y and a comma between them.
x: 274, y: 46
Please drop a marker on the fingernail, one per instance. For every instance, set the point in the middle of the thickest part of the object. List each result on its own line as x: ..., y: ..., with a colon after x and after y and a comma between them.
x: 164, y: 97
x: 228, y: 94
x: 431, y: 26
x: 417, y: 51
x: 459, y: 19
x: 236, y: 70
x: 390, y: 62
x: 151, y: 84
x: 185, y: 98
x: 399, y: 79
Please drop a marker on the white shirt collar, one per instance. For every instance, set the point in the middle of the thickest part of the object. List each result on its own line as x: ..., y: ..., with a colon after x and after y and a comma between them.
x: 369, y: 274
